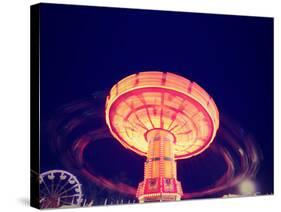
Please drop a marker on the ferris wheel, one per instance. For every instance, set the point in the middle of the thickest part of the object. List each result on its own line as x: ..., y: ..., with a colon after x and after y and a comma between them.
x: 59, y: 188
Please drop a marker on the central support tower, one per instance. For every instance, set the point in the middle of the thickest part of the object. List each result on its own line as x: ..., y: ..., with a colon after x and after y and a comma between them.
x: 160, y: 171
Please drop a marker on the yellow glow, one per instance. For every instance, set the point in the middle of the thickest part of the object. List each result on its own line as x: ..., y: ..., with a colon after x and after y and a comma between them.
x: 247, y: 187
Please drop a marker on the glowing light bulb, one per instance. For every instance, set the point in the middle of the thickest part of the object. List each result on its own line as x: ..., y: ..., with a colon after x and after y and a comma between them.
x: 247, y: 187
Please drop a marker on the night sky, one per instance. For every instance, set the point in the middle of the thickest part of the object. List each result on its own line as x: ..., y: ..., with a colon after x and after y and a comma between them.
x: 84, y: 50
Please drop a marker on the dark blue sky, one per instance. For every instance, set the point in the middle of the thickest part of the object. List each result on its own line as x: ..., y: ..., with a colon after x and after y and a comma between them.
x: 88, y: 49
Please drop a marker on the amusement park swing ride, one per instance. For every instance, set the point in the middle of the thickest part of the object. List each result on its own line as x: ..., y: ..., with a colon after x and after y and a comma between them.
x: 165, y: 118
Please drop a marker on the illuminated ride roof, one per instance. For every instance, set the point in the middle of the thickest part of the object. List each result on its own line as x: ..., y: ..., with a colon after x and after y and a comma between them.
x: 149, y: 100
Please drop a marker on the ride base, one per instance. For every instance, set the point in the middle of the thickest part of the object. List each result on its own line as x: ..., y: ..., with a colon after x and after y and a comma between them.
x: 160, y: 179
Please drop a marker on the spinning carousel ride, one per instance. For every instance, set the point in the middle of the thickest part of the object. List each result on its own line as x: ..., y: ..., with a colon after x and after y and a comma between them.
x: 164, y: 117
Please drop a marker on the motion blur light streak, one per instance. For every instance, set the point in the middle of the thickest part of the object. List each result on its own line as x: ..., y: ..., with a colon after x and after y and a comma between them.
x: 77, y: 126
x: 239, y: 167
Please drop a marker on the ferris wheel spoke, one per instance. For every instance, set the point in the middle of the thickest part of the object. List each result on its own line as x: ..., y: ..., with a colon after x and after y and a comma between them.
x: 44, y: 194
x: 43, y: 189
x: 64, y: 185
x: 47, y: 188
x: 73, y: 195
x: 65, y: 191
x: 67, y: 203
x: 52, y: 186
x: 57, y: 186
